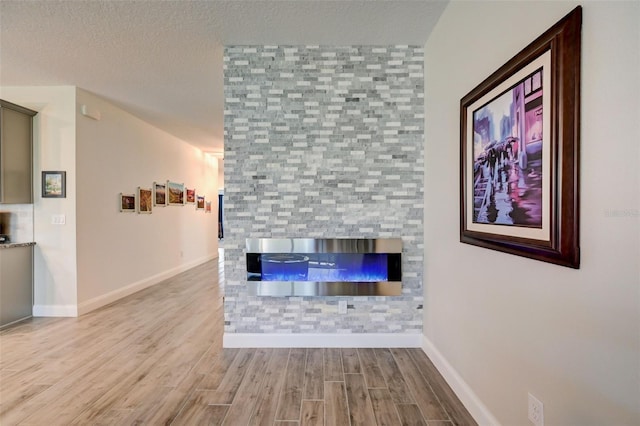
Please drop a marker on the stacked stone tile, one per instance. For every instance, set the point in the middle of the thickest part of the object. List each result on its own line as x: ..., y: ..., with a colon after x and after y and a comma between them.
x: 323, y: 142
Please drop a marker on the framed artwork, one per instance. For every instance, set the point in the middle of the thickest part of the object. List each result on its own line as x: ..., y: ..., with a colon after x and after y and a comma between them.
x: 191, y: 196
x: 207, y: 207
x: 145, y: 204
x: 200, y: 202
x: 519, y: 151
x: 127, y: 203
x: 54, y: 184
x: 159, y: 194
x: 175, y: 193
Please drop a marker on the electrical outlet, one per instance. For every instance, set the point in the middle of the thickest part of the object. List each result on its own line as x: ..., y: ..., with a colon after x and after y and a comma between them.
x: 536, y: 411
x: 342, y: 306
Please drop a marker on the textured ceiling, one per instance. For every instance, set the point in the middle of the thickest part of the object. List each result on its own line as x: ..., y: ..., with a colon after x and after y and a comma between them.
x: 162, y: 60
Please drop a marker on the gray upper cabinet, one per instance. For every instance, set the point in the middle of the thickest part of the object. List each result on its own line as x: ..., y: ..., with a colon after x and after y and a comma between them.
x: 15, y: 154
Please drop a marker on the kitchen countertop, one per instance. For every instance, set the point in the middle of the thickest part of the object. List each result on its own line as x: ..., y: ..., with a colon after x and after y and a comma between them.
x: 13, y: 245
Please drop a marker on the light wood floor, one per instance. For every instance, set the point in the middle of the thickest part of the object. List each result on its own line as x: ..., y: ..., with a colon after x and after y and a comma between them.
x: 156, y: 358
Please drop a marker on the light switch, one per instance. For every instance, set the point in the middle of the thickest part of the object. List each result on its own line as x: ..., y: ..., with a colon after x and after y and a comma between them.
x: 58, y: 219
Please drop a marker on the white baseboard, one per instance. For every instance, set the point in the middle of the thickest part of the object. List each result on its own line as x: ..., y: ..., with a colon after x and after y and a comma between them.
x: 333, y: 340
x: 105, y: 299
x: 55, y: 311
x: 467, y: 396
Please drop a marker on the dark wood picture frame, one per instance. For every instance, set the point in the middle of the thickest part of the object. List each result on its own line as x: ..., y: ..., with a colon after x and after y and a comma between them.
x: 54, y: 184
x: 490, y: 168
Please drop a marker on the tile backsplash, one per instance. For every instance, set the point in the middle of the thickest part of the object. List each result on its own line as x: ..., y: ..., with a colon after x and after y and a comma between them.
x: 16, y: 220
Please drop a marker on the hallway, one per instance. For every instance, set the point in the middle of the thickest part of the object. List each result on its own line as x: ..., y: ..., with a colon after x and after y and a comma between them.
x: 155, y: 357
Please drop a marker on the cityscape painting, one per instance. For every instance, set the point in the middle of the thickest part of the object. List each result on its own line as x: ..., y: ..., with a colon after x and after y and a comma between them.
x: 519, y: 151
x: 508, y: 156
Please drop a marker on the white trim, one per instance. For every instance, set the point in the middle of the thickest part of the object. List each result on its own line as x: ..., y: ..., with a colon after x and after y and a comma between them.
x: 327, y: 340
x: 467, y: 396
x: 105, y: 299
x: 55, y: 311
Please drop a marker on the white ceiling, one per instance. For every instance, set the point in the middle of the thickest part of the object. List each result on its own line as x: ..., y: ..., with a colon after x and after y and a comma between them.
x: 161, y: 60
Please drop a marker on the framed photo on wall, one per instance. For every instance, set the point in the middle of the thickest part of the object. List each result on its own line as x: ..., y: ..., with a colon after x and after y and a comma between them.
x: 54, y: 184
x: 519, y: 151
x: 127, y: 203
x: 145, y: 204
x: 191, y: 195
x: 200, y: 202
x: 159, y: 194
x: 175, y: 193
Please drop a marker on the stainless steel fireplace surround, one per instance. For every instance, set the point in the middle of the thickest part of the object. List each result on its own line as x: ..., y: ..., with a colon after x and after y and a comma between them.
x: 324, y: 267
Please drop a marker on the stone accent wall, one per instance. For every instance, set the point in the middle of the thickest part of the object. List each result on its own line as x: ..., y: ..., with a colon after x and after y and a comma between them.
x: 323, y: 142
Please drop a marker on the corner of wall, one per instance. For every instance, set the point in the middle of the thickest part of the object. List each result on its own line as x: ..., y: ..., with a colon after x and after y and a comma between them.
x: 478, y: 410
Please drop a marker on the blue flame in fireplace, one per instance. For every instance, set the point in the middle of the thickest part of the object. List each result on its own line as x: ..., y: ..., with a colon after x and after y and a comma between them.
x: 325, y: 267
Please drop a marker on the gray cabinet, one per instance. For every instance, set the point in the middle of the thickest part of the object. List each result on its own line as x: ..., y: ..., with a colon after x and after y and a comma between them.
x: 15, y: 154
x: 16, y: 284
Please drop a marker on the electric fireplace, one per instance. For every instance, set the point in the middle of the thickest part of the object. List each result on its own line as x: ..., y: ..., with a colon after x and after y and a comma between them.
x: 324, y: 267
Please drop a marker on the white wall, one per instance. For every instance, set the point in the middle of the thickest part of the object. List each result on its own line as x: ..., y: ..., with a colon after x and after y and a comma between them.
x: 119, y: 253
x: 100, y: 255
x: 509, y: 325
x: 55, y: 279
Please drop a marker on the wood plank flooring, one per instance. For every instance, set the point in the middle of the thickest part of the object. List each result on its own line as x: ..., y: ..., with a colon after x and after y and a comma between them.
x: 156, y: 358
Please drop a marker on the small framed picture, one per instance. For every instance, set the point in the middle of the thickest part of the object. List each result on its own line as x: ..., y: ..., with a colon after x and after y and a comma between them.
x: 144, y: 200
x: 54, y: 184
x: 191, y: 195
x: 159, y: 194
x: 175, y: 193
x: 127, y: 203
x: 200, y: 203
x: 207, y: 207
